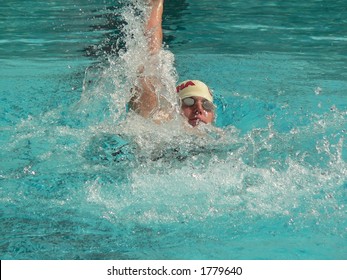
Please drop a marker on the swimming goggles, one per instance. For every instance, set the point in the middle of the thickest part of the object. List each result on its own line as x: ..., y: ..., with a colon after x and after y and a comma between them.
x: 207, y: 105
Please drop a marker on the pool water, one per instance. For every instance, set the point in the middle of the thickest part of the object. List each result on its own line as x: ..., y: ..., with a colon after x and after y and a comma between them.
x: 81, y: 177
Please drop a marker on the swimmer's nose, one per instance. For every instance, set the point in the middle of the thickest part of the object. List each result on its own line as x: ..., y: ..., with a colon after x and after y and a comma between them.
x: 199, y: 110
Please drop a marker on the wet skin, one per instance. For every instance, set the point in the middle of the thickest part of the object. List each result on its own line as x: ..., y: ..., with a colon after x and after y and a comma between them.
x: 196, y: 113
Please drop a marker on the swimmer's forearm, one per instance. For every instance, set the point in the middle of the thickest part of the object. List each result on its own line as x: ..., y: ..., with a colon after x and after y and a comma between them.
x: 154, y: 29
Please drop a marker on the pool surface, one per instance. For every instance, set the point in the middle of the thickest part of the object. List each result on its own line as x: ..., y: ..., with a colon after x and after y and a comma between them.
x: 81, y: 177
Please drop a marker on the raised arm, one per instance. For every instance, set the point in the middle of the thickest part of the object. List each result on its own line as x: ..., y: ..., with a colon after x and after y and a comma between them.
x: 154, y: 29
x: 145, y: 99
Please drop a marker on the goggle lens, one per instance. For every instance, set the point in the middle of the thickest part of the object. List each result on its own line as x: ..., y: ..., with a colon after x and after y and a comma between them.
x: 207, y: 105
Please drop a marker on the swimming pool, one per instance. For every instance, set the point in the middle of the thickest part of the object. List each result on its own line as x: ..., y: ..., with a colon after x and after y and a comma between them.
x: 82, y: 178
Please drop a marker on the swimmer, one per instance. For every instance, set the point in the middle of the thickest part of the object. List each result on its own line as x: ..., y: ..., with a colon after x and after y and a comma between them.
x: 195, y: 97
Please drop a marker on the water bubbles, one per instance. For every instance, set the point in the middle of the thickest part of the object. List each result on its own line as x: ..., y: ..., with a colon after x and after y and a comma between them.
x: 318, y: 90
x: 294, y: 130
x: 333, y: 108
x: 291, y: 221
x: 28, y: 170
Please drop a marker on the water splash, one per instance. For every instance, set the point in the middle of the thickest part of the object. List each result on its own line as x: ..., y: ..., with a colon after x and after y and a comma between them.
x: 147, y: 182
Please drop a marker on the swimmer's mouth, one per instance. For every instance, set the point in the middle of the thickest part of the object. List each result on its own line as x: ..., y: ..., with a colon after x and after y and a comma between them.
x: 195, y: 121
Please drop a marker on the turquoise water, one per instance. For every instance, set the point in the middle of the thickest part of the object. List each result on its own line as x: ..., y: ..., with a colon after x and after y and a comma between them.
x: 82, y: 178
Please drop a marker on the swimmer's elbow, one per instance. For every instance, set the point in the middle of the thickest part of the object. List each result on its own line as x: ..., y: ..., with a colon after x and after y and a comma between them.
x: 143, y: 104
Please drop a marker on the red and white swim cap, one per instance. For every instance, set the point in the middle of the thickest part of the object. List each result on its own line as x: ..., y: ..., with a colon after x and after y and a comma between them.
x: 191, y: 88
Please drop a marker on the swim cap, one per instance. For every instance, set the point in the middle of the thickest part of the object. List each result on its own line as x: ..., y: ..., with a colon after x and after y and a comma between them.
x: 191, y: 88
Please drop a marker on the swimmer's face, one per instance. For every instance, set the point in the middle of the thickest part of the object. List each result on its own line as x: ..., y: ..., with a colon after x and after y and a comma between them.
x: 197, y: 112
